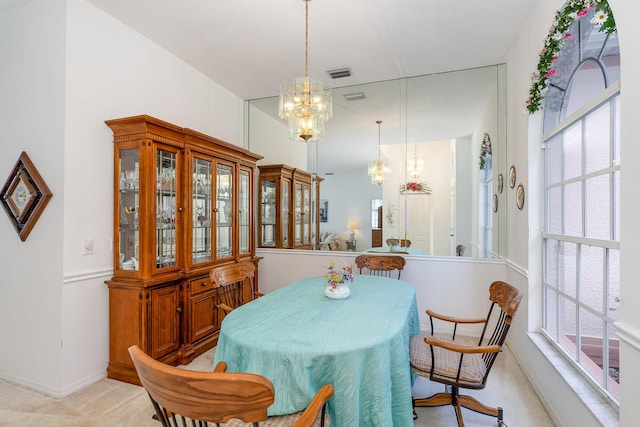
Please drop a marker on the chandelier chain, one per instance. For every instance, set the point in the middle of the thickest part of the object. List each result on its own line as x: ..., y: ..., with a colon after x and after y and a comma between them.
x: 306, y: 39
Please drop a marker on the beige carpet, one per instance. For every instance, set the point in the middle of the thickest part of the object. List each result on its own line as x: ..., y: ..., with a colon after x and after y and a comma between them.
x: 114, y: 403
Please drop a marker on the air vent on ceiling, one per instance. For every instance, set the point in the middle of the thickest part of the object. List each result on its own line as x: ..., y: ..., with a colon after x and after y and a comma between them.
x: 356, y: 96
x: 339, y: 73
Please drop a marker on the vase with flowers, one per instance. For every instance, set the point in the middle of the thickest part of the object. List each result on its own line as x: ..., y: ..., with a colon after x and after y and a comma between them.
x: 337, y: 281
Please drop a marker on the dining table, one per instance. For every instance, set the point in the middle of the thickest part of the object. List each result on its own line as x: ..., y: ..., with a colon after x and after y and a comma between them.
x: 387, y: 250
x: 300, y: 340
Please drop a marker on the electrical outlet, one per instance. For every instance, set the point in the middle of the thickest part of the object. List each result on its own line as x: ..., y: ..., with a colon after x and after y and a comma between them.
x: 87, y: 247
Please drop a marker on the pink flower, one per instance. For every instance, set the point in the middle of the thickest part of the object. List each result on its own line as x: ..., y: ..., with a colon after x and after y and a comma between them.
x: 566, y: 36
x: 550, y: 73
x: 554, y: 59
x: 582, y: 12
x: 528, y: 102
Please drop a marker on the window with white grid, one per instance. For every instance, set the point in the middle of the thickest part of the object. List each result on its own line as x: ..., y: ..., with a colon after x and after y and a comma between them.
x: 581, y: 254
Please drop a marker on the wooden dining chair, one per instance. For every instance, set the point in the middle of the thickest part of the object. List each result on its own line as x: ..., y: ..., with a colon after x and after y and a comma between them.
x: 183, y: 397
x: 403, y: 243
x: 381, y: 265
x: 234, y: 285
x: 442, y: 359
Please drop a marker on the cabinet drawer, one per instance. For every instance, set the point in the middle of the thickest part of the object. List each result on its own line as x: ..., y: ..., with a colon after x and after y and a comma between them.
x: 200, y: 285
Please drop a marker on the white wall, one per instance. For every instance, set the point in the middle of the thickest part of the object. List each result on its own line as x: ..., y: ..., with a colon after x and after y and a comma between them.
x: 52, y: 291
x: 349, y: 195
x: 265, y: 136
x: 32, y: 73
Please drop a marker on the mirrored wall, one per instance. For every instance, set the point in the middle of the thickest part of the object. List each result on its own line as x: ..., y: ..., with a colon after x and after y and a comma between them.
x: 442, y: 119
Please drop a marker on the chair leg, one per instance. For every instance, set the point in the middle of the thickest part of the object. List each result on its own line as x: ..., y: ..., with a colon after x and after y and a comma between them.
x: 458, y: 402
x: 473, y: 404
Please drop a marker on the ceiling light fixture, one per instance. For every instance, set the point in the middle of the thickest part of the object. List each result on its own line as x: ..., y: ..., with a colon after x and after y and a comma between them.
x: 378, y: 168
x: 305, y: 102
x: 415, y: 165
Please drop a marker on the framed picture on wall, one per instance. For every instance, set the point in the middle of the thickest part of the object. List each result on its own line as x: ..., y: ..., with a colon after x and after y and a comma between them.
x: 324, y: 210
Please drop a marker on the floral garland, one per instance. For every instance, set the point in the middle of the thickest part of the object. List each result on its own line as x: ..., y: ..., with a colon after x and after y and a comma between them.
x: 485, y: 151
x: 574, y: 9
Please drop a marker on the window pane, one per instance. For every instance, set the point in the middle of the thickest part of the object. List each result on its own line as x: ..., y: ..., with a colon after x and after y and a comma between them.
x: 597, y: 144
x: 616, y: 205
x: 592, y: 334
x: 573, y: 209
x: 614, y: 363
x: 554, y: 159
x: 551, y: 259
x: 572, y: 149
x: 591, y: 276
x: 567, y: 332
x: 586, y: 84
x: 567, y: 262
x: 598, y: 201
x: 550, y: 313
x: 613, y: 276
x: 616, y: 133
x: 554, y: 210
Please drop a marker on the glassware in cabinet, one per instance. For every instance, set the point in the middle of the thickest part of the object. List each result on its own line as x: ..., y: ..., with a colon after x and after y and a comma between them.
x: 224, y: 211
x: 201, y: 210
x: 244, y: 211
x: 128, y: 202
x: 268, y: 212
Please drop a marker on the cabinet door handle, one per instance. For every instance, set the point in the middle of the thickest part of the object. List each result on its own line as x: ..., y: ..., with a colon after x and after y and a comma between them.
x: 179, y: 309
x: 215, y: 210
x: 179, y: 209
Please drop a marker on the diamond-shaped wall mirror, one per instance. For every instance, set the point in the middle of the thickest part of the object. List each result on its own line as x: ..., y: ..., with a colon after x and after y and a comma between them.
x: 24, y: 196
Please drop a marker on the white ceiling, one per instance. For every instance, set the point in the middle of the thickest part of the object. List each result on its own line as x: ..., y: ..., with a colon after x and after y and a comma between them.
x: 251, y: 46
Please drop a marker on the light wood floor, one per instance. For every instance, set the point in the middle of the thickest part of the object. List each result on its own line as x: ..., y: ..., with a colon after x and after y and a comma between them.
x: 113, y: 403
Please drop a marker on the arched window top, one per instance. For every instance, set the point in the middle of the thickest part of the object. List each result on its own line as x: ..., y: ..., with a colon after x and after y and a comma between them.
x: 584, y: 31
x: 588, y: 62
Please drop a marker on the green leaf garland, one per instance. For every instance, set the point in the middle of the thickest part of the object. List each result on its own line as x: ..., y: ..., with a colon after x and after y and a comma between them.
x: 574, y: 9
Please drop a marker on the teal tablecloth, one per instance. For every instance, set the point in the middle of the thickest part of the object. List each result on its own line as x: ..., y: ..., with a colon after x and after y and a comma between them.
x: 301, y: 340
x: 386, y: 250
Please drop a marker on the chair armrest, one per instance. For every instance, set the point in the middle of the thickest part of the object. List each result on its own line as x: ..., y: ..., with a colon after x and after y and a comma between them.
x: 317, y: 404
x: 461, y: 348
x: 225, y: 308
x: 454, y: 319
x: 220, y: 367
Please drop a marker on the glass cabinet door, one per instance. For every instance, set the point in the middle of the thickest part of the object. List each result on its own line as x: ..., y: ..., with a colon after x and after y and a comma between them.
x: 224, y: 211
x: 128, y: 202
x: 306, y: 216
x: 201, y: 210
x: 244, y: 222
x: 297, y: 213
x: 166, y: 198
x: 268, y: 212
x: 286, y: 212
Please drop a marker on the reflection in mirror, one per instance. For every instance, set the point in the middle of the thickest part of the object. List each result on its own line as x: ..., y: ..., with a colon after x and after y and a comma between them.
x: 440, y: 119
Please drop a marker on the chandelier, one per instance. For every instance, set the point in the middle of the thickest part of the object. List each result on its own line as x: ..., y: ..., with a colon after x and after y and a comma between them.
x: 305, y: 102
x: 378, y: 168
x: 415, y: 165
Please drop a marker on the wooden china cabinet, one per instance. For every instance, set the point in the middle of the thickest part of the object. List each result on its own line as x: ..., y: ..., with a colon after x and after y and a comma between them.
x: 285, y: 200
x: 183, y: 203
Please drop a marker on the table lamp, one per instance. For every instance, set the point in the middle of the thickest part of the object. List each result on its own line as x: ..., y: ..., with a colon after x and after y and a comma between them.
x: 352, y: 229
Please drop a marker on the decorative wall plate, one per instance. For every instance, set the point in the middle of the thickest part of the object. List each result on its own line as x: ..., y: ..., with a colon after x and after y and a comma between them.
x: 512, y: 177
x: 24, y: 196
x: 520, y: 196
